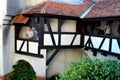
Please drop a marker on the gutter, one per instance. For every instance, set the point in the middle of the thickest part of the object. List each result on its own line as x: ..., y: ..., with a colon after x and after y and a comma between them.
x: 87, y: 11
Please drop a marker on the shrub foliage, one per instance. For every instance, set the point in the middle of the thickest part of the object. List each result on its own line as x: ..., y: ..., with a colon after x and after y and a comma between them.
x: 93, y: 70
x: 22, y: 71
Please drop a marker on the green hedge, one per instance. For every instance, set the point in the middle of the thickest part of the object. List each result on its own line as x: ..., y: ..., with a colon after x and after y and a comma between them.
x: 93, y: 70
x: 22, y: 71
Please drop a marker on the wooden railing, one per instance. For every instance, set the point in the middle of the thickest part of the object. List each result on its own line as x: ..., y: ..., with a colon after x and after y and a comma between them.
x: 103, y: 44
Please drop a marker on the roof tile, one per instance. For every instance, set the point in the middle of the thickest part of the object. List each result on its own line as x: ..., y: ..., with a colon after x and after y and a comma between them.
x: 59, y: 8
x: 105, y: 8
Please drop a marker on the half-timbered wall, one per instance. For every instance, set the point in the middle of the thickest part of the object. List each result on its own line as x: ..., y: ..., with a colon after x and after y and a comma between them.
x: 104, y: 44
x: 61, y: 33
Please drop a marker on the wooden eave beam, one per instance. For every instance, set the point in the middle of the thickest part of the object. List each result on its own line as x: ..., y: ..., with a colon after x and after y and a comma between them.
x: 102, y: 18
x: 52, y: 16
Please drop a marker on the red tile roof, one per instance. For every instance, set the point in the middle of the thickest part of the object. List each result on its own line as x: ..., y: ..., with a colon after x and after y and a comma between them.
x: 105, y: 8
x: 20, y: 19
x: 59, y: 9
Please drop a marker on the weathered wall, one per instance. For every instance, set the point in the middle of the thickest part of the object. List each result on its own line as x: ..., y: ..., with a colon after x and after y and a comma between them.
x: 14, y: 7
x: 1, y: 52
x: 61, y: 62
x: 8, y: 48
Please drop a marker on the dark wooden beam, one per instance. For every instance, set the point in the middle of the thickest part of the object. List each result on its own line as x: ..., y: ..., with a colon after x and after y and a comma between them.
x: 102, y: 18
x: 103, y: 51
x: 60, y: 23
x: 52, y: 56
x: 110, y: 44
x: 40, y: 28
x: 27, y: 46
x: 59, y: 32
x: 21, y: 45
x: 89, y: 42
x: 50, y: 31
x: 52, y: 16
x: 101, y: 43
x: 118, y: 40
x: 73, y: 40
x: 62, y: 47
x: 94, y: 53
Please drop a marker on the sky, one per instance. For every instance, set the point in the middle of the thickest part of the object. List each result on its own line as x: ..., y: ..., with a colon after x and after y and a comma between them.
x: 71, y: 2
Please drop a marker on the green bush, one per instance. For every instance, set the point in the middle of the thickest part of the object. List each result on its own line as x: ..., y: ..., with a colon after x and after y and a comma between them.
x: 93, y: 70
x: 22, y: 71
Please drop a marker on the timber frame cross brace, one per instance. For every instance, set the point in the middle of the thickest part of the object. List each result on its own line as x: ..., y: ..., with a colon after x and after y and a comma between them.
x: 52, y: 56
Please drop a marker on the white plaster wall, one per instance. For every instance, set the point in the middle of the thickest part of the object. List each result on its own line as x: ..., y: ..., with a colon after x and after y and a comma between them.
x: 69, y: 26
x: 3, y: 11
x: 1, y: 52
x: 38, y: 64
x: 61, y: 62
x: 8, y: 48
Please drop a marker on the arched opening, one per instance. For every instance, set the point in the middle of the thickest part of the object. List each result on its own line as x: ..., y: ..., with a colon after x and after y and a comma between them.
x: 22, y: 70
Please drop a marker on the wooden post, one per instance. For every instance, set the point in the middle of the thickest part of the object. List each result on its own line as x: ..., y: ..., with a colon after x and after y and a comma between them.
x: 40, y: 28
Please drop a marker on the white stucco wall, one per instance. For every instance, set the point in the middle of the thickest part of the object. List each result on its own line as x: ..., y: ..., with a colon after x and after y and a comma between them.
x: 1, y: 52
x: 8, y: 48
x: 68, y: 25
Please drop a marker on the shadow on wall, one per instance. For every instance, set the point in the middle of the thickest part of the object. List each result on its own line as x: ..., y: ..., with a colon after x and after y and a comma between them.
x: 15, y: 6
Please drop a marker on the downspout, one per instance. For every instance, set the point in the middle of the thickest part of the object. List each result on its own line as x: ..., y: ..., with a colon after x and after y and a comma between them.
x: 87, y: 11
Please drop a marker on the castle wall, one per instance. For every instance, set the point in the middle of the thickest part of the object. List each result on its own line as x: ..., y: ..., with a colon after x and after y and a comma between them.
x: 1, y: 52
